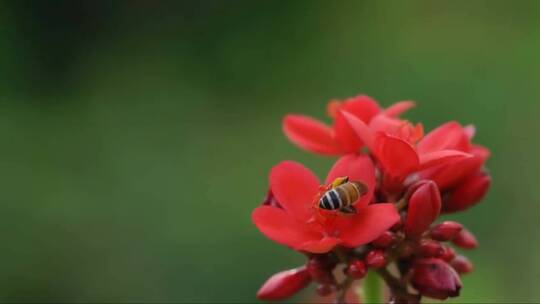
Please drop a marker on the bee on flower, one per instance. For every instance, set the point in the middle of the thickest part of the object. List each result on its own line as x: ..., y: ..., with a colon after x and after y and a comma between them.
x: 342, y: 195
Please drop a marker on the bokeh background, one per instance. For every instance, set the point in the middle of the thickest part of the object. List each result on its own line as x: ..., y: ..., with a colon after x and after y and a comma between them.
x: 137, y: 135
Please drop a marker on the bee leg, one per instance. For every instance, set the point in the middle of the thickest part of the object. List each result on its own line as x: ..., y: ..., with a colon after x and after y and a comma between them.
x: 348, y: 210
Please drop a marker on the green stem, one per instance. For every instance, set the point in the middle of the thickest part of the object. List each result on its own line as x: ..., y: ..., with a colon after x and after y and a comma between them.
x: 372, y: 288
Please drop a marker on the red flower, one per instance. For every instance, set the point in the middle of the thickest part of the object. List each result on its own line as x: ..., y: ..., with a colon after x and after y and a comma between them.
x: 295, y: 221
x: 395, y: 149
x: 418, y: 177
x: 454, y: 137
x: 315, y: 136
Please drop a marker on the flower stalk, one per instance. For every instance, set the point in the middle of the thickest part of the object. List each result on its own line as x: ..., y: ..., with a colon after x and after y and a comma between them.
x: 372, y: 288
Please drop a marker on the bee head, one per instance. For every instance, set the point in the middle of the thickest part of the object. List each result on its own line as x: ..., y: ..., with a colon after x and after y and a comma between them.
x: 340, y: 181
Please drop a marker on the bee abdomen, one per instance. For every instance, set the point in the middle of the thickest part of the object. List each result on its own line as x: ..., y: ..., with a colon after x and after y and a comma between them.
x: 331, y: 200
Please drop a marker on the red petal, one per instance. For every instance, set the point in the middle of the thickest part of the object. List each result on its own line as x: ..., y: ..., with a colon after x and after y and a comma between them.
x: 310, y: 134
x: 470, y: 131
x: 480, y: 151
x: 397, y: 157
x: 368, y: 224
x: 441, y: 157
x: 319, y: 246
x: 450, y: 136
x: 468, y: 193
x: 387, y: 124
x: 357, y: 168
x: 451, y: 173
x: 348, y: 141
x: 285, y: 284
x: 363, y: 108
x: 399, y: 107
x: 424, y: 207
x: 280, y: 227
x: 361, y: 130
x: 397, y: 127
x: 294, y: 187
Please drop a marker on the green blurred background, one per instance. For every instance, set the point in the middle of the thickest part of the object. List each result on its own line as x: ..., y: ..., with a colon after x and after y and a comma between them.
x: 138, y: 135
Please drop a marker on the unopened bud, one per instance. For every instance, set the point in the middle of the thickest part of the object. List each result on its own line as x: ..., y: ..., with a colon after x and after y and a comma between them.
x: 465, y: 239
x: 376, y: 258
x: 412, y: 188
x: 462, y: 264
x: 449, y: 254
x: 424, y: 208
x: 434, y: 278
x: 320, y: 270
x: 446, y: 231
x: 431, y: 249
x: 468, y: 193
x: 285, y: 284
x: 357, y: 269
x: 385, y: 240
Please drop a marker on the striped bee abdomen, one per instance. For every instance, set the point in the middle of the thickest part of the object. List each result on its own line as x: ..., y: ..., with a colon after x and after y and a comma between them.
x: 331, y: 200
x: 342, y: 196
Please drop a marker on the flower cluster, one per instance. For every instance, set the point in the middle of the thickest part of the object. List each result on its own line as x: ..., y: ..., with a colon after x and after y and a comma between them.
x: 409, y: 180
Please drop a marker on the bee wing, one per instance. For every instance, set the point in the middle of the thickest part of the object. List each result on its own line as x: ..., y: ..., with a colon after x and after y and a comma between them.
x: 362, y: 187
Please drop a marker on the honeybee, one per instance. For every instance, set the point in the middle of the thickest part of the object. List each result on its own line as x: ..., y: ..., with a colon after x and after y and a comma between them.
x: 343, y: 195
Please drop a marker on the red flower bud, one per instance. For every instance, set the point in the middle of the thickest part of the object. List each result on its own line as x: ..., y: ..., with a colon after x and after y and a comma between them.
x: 412, y: 188
x: 424, y: 207
x: 435, y: 279
x: 468, y: 193
x: 465, y: 239
x: 284, y: 284
x: 462, y: 265
x: 386, y: 240
x: 431, y: 249
x: 357, y: 269
x: 320, y: 270
x: 446, y: 231
x: 376, y: 258
x: 449, y: 254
